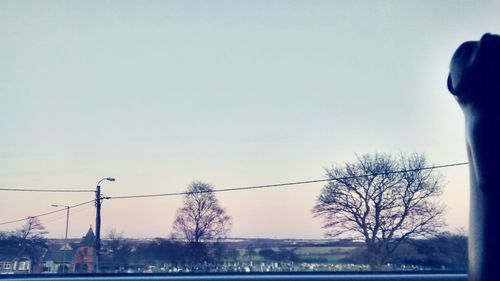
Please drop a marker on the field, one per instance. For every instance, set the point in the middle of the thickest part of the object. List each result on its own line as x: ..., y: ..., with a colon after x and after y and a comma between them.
x: 331, y: 254
x: 328, y: 254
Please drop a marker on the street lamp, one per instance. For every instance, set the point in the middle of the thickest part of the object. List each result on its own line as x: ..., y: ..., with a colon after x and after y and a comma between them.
x: 98, y: 202
x: 65, y: 247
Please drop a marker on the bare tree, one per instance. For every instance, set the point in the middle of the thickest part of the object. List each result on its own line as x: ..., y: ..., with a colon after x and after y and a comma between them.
x: 32, y: 229
x: 201, y: 218
x: 372, y: 200
x: 31, y: 239
x: 117, y: 249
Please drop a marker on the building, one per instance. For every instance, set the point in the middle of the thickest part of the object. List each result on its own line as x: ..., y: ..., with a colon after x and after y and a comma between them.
x: 84, y: 257
x: 6, y: 266
x: 23, y: 265
x: 16, y: 265
x: 58, y: 256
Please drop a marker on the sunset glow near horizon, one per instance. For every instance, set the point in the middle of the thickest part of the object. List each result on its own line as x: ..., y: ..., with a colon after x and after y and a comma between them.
x: 234, y: 93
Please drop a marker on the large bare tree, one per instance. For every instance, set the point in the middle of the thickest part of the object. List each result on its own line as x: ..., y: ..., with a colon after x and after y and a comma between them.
x: 201, y: 218
x: 383, y: 200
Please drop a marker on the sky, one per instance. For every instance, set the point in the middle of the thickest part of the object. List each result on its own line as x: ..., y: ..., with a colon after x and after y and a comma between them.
x: 234, y: 93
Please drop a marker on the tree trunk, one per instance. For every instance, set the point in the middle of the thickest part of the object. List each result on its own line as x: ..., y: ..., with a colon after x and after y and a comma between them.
x: 374, y: 259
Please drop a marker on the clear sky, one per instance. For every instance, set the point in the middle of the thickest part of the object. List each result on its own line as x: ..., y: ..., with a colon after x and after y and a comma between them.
x: 234, y: 93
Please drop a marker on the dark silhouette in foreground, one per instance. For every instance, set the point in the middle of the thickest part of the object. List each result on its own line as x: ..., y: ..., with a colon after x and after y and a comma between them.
x: 474, y: 80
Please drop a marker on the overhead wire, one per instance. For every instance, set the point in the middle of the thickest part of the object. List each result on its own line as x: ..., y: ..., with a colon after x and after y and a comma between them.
x: 282, y: 184
x: 47, y: 213
x: 220, y: 190
x: 50, y: 220
x: 46, y: 190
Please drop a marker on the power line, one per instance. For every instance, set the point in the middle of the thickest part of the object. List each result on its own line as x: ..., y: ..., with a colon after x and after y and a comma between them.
x: 284, y: 184
x: 63, y: 216
x: 47, y: 213
x: 45, y: 190
x: 221, y: 190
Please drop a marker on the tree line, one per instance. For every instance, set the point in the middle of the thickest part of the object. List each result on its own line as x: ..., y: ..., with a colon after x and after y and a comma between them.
x: 443, y: 251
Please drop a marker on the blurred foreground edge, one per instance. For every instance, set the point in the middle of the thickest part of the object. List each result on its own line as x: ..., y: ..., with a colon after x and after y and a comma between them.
x: 407, y: 276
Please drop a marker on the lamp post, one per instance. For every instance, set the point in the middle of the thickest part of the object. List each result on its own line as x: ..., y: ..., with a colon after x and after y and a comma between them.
x: 65, y: 247
x: 98, y: 202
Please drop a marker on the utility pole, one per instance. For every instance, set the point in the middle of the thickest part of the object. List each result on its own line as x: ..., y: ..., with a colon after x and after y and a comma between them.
x: 66, y: 240
x: 66, y: 246
x: 98, y: 202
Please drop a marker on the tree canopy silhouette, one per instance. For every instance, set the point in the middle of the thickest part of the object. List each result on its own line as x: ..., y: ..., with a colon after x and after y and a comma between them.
x: 201, y: 218
x: 382, y: 200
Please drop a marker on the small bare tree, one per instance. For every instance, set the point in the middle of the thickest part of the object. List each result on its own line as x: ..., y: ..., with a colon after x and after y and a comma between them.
x: 201, y: 218
x: 383, y: 201
x: 117, y: 249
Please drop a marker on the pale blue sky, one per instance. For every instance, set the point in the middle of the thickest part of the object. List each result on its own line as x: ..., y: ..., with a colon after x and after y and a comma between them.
x: 161, y: 93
